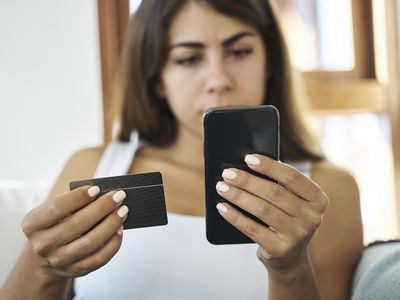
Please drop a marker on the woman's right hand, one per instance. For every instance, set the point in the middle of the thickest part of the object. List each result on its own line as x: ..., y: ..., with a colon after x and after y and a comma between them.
x: 73, y: 235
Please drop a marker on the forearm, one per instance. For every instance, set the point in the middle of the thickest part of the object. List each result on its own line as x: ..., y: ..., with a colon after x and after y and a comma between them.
x: 298, y: 283
x: 29, y: 280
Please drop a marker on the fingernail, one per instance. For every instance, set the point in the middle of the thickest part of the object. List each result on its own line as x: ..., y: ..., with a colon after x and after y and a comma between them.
x: 229, y: 174
x: 252, y: 160
x: 93, y: 191
x: 120, y: 230
x: 123, y: 211
x: 222, y: 208
x: 222, y: 187
x: 119, y: 196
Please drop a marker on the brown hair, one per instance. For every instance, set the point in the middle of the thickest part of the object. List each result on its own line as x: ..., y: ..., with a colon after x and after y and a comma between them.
x: 146, y: 51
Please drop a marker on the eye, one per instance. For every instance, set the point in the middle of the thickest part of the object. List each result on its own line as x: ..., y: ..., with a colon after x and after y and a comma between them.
x: 189, y: 61
x: 240, y: 53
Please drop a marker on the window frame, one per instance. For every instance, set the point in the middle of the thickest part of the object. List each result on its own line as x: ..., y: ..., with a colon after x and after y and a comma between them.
x: 330, y: 92
x: 355, y: 90
x: 113, y: 21
x: 392, y: 13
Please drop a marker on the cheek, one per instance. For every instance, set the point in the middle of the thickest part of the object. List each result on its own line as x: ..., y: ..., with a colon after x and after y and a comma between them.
x: 180, y: 99
x: 253, y: 83
x: 179, y: 108
x: 181, y: 90
x: 260, y: 77
x: 185, y: 113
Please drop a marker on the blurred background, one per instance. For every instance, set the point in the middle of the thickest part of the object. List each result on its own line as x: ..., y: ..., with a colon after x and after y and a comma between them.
x: 58, y: 60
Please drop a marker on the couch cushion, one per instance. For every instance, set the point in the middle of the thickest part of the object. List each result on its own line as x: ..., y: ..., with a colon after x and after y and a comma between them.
x: 378, y: 273
x: 16, y: 199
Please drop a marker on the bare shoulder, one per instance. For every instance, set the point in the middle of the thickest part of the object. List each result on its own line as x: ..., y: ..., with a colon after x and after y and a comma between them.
x: 327, y: 172
x: 342, y: 190
x: 84, y: 161
x: 337, y: 244
x: 81, y: 165
x: 336, y: 182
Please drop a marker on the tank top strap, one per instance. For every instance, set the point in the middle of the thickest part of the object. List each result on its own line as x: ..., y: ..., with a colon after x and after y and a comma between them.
x: 304, y: 166
x: 117, y: 157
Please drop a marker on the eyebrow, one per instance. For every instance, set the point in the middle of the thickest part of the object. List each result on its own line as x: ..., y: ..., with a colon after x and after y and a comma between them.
x: 225, y: 43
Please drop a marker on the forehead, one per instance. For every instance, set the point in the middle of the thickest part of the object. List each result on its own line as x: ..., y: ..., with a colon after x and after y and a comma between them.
x: 200, y: 22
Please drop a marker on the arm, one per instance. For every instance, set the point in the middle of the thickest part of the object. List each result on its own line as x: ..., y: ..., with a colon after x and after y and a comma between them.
x: 338, y: 242
x: 57, y: 249
x: 29, y: 280
x: 294, y: 211
x: 335, y: 246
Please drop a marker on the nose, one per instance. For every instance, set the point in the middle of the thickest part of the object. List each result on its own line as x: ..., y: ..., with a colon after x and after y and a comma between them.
x: 218, y: 78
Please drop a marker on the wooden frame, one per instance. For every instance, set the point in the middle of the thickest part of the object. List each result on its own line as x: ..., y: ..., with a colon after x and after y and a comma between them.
x: 355, y: 90
x: 393, y: 37
x: 362, y: 95
x: 363, y: 47
x: 113, y: 20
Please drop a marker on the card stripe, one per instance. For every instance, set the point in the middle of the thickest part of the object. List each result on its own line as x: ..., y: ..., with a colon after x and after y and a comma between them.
x: 135, y: 187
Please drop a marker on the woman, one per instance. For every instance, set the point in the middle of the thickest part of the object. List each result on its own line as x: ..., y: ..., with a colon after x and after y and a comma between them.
x: 181, y: 58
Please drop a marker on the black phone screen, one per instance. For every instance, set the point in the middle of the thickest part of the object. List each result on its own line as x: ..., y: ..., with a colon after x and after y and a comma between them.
x: 230, y: 133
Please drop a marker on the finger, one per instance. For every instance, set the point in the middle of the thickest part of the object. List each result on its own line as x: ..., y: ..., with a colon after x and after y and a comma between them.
x: 56, y: 209
x: 265, y: 189
x: 80, y: 222
x: 286, y: 175
x: 97, y: 259
x: 260, y: 234
x: 262, y: 209
x: 91, y: 241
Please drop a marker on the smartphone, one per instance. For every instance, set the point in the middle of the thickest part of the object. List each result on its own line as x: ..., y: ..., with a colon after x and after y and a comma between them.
x: 230, y: 133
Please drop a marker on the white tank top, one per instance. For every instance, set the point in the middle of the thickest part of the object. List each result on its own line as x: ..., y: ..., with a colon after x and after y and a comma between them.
x: 175, y: 261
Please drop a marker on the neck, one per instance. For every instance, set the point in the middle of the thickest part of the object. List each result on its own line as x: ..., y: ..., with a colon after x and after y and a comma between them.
x: 187, y: 150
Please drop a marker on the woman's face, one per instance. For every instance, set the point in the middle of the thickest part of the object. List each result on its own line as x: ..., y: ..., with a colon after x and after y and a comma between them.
x: 214, y: 61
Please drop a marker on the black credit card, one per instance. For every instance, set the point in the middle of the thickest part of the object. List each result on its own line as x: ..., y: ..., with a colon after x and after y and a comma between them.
x: 144, y: 197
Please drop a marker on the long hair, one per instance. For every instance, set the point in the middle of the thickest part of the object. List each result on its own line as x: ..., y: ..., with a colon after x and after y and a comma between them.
x: 146, y: 50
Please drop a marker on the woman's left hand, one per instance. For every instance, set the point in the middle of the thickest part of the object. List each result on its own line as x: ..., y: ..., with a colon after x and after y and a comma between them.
x: 293, y: 209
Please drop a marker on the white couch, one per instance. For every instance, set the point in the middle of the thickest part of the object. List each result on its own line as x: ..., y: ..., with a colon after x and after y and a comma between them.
x: 16, y: 199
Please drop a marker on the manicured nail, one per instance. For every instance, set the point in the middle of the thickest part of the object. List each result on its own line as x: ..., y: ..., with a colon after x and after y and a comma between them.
x: 229, y: 174
x: 252, y: 160
x: 93, y: 191
x: 222, y: 187
x: 120, y: 230
x: 119, y: 196
x: 222, y: 208
x: 123, y: 211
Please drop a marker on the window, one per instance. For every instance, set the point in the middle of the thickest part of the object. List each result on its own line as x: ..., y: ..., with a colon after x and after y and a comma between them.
x: 134, y: 4
x: 320, y: 32
x: 362, y: 144
x: 355, y: 113
x: 330, y: 38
